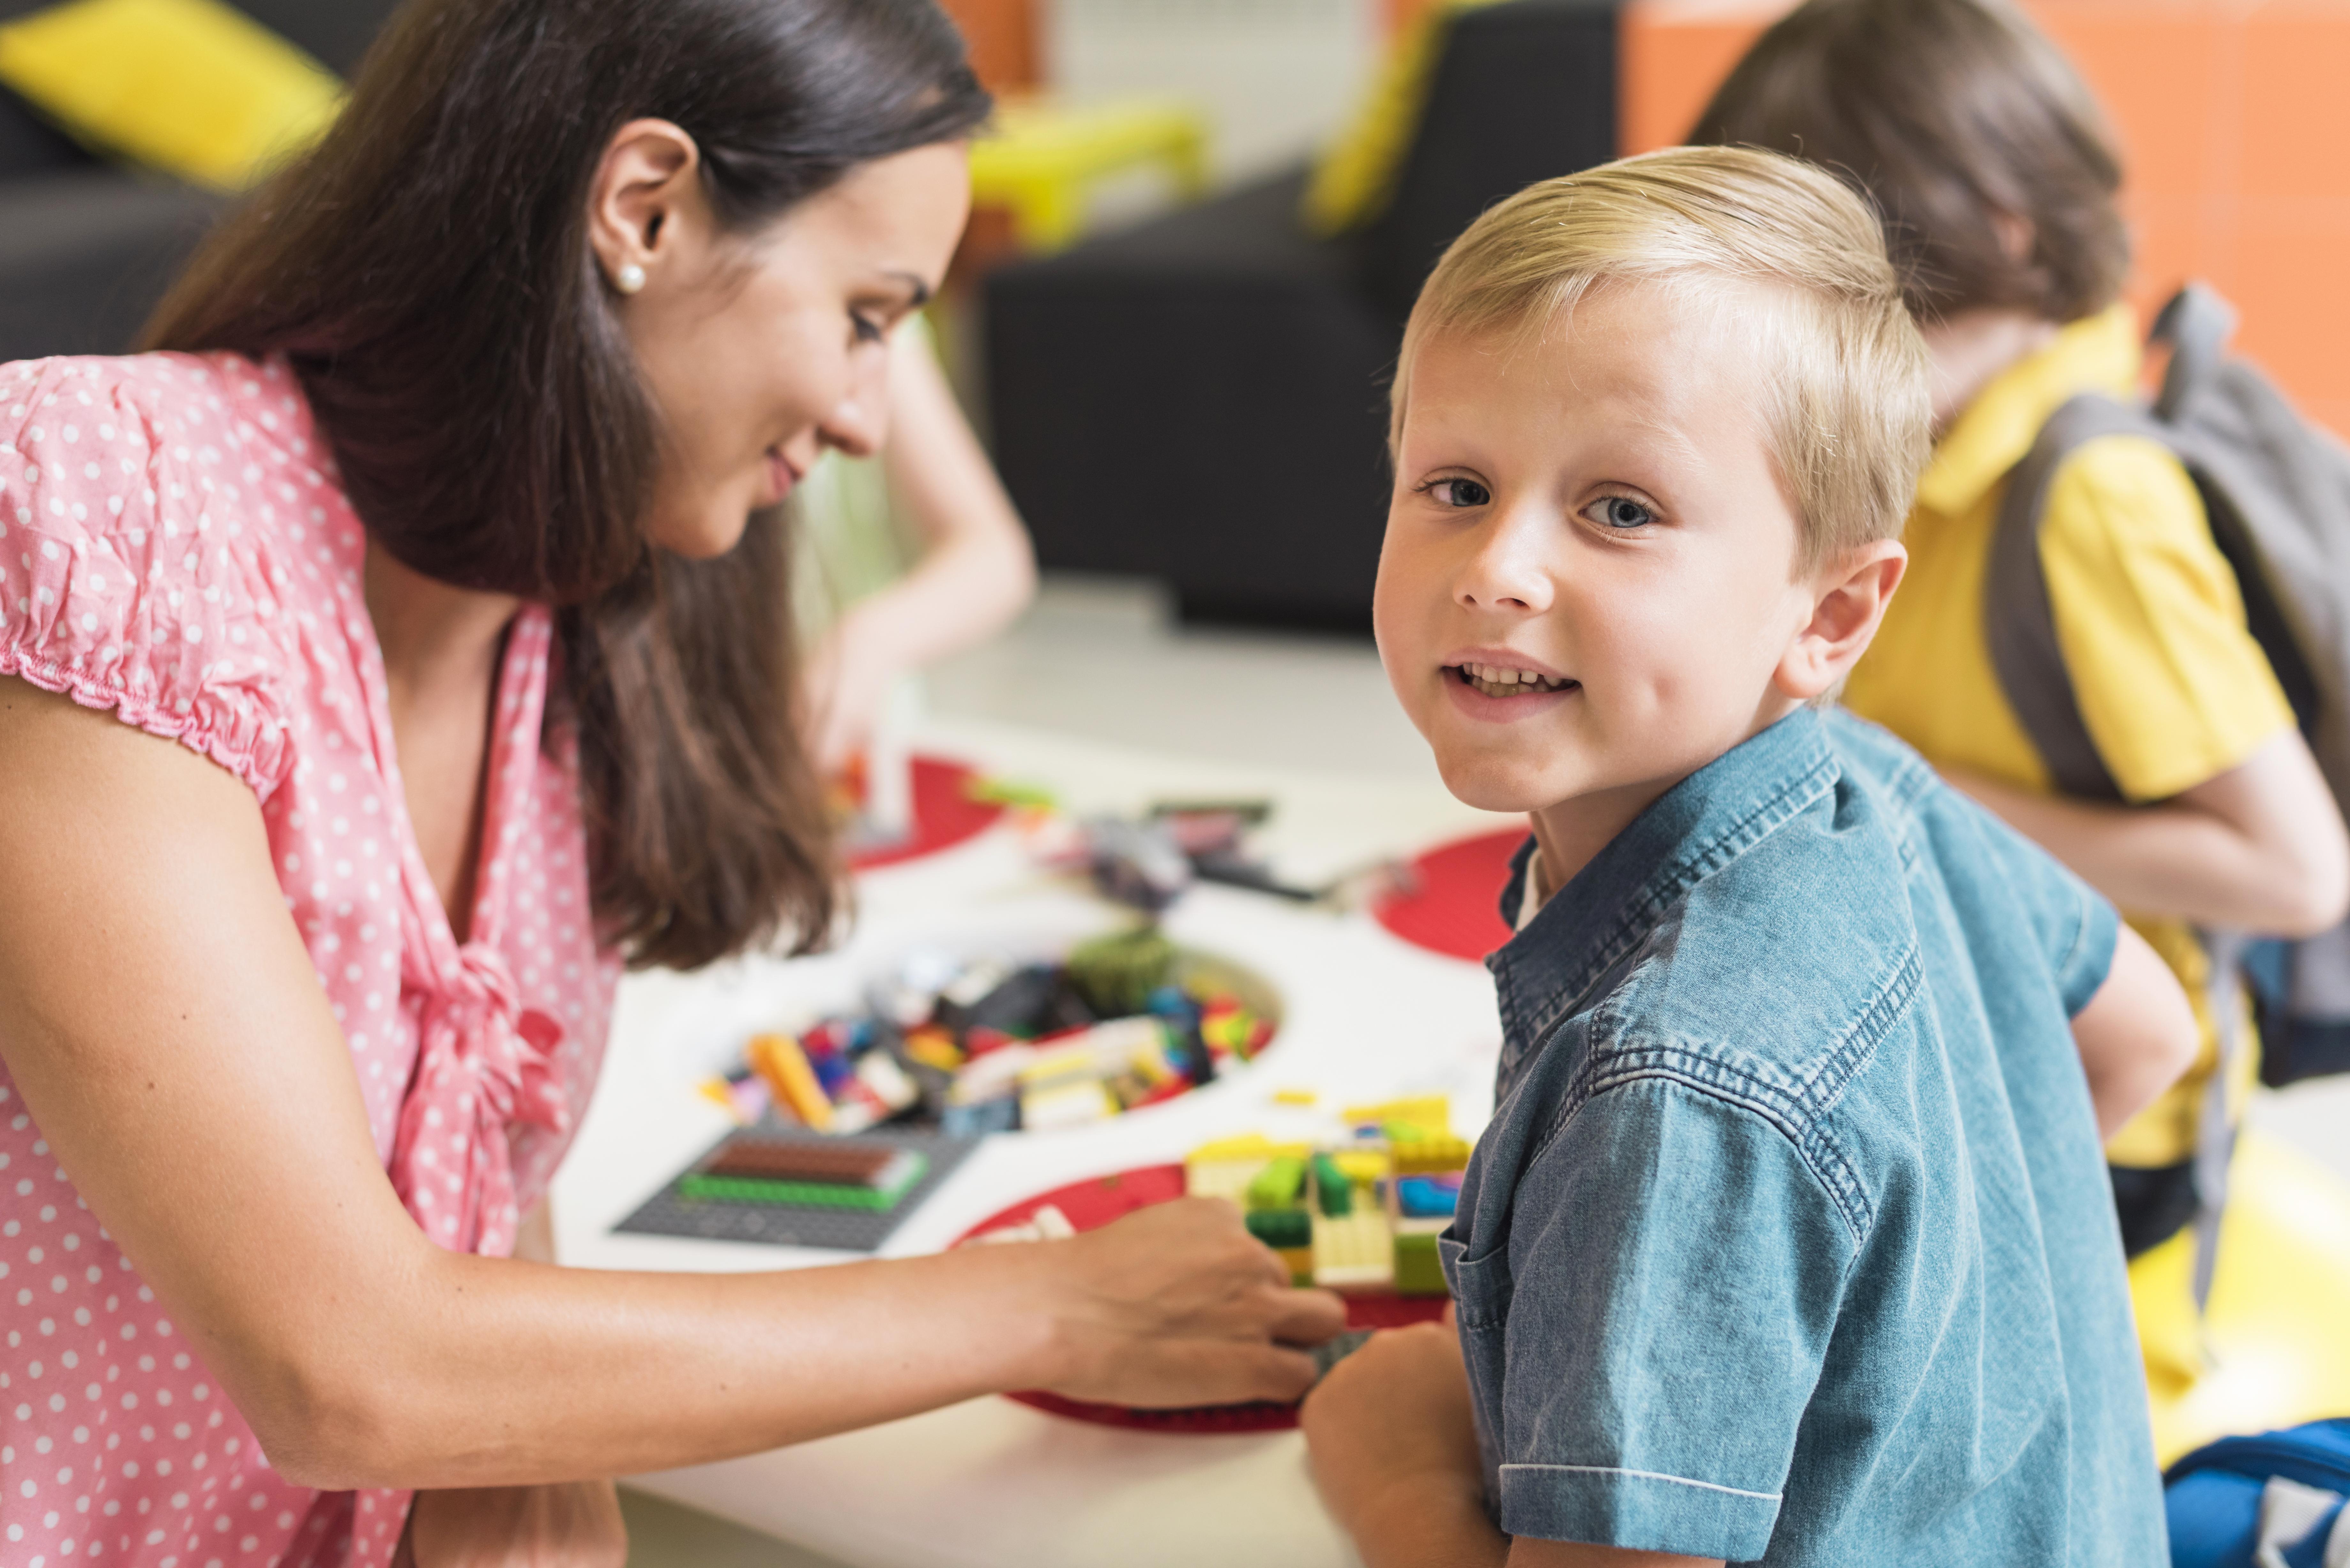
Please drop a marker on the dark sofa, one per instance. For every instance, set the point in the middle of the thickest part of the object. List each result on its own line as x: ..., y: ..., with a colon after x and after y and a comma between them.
x: 1203, y: 399
x: 88, y: 246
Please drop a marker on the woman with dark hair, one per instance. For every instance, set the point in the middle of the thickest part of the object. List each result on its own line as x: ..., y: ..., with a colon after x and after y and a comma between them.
x: 441, y: 535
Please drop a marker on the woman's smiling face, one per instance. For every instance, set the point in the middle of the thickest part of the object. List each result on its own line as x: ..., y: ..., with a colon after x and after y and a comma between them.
x: 761, y: 352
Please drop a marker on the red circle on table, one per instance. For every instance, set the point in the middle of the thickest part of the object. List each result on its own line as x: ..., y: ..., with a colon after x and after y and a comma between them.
x: 1092, y: 1203
x: 944, y: 815
x: 1453, y: 910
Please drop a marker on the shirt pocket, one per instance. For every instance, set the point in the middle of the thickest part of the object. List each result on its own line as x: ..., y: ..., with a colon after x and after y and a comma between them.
x: 1481, y: 1286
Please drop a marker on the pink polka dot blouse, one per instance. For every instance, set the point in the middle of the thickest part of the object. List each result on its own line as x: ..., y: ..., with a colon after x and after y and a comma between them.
x: 176, y: 547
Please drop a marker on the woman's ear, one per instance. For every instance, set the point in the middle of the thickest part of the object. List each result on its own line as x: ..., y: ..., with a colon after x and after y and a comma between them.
x: 1848, y: 603
x: 646, y: 203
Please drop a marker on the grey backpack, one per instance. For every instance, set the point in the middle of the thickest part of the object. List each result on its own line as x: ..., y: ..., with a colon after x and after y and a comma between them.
x: 2277, y: 491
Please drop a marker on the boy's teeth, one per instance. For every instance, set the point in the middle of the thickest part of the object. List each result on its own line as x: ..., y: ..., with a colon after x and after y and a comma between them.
x: 1496, y: 681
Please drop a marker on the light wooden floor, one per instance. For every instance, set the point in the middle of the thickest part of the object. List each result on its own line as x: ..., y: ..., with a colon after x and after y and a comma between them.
x: 663, y: 1534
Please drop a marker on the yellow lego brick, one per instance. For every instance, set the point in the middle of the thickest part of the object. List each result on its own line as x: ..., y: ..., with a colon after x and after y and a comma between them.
x: 1225, y: 1178
x: 779, y: 1059
x: 1354, y: 1251
x: 1430, y: 1156
x: 1294, y: 1097
x: 1433, y: 1112
x: 1361, y: 1165
x: 1299, y: 1261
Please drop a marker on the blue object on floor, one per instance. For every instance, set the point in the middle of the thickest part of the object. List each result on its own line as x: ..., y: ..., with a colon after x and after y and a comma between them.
x: 2216, y: 1497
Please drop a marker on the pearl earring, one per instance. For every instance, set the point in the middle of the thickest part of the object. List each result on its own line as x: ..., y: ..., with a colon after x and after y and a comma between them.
x: 629, y: 278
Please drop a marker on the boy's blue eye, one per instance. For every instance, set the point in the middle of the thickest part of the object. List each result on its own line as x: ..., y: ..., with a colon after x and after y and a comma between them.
x: 868, y: 329
x: 1460, y: 493
x: 1619, y: 512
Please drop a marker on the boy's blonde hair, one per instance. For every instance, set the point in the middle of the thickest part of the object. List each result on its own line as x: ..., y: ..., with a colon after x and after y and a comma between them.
x: 1846, y: 407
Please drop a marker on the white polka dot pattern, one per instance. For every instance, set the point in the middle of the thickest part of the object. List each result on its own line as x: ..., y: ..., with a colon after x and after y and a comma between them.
x: 175, y: 547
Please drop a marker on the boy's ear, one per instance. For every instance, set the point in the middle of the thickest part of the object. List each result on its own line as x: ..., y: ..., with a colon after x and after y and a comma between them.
x: 1848, y: 603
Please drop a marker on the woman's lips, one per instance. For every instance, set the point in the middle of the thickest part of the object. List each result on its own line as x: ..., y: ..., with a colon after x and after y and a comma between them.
x: 781, y: 476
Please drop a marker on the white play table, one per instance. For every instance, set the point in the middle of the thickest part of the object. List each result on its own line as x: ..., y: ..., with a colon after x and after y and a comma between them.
x: 989, y: 1483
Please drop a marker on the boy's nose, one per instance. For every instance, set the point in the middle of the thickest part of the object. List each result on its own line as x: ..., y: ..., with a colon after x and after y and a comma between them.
x: 1504, y: 572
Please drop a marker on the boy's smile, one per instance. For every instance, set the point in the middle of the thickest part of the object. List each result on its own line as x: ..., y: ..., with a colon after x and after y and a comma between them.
x: 1589, y: 585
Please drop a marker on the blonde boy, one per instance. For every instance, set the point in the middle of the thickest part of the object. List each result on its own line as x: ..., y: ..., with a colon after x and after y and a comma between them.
x: 1790, y: 1238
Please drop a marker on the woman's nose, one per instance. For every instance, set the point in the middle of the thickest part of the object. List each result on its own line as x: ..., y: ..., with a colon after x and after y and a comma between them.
x: 860, y: 422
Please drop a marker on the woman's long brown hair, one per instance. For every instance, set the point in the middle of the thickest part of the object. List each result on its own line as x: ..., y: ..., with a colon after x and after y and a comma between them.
x: 427, y: 274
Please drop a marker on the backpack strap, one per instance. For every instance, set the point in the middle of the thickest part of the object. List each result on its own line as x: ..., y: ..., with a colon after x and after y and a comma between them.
x: 2019, y: 622
x: 2197, y: 325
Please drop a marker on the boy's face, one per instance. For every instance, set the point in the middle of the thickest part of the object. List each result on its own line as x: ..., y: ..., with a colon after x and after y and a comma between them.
x: 1591, y: 513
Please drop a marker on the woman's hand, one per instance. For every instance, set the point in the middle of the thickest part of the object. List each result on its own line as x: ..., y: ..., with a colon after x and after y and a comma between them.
x: 571, y: 1525
x: 1178, y: 1304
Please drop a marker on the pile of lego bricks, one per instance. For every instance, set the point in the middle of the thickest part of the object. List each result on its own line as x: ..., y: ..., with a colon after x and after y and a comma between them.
x: 1358, y: 1215
x: 975, y: 1047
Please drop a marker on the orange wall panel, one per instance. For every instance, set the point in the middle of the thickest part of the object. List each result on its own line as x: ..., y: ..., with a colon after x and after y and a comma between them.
x: 1002, y: 37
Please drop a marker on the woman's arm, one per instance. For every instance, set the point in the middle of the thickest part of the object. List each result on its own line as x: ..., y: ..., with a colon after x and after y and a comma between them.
x: 162, y: 1020
x: 2136, y: 1034
x: 977, y: 570
x: 2258, y: 848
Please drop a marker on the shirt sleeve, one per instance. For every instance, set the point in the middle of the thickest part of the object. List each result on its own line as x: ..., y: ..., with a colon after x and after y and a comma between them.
x: 1677, y: 1269
x: 2075, y: 926
x: 2172, y: 687
x: 128, y: 580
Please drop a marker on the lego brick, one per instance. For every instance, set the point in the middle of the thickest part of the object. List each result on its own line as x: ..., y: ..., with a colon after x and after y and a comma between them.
x: 779, y: 1059
x: 1426, y: 1197
x: 906, y: 1172
x: 1353, y: 1250
x: 1333, y: 1192
x: 1418, y: 1271
x: 1277, y: 1185
x: 859, y: 1165
x: 1281, y: 1228
x: 1430, y: 1156
x: 670, y: 1213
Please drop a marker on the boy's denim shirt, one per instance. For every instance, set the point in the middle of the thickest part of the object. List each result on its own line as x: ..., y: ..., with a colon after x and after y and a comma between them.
x: 1790, y: 1239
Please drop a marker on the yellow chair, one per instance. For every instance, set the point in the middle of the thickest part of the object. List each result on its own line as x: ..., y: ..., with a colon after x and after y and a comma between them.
x: 1041, y: 161
x: 2274, y: 1348
x: 193, y: 87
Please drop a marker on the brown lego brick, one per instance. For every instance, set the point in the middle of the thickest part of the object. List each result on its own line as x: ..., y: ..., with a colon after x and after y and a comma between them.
x: 846, y: 1165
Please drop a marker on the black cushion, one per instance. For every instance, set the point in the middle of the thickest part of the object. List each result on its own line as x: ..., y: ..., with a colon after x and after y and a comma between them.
x: 83, y: 256
x: 1522, y: 91
x: 1200, y: 400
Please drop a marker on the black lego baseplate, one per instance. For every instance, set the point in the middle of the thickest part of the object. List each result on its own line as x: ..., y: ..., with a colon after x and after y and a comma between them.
x: 667, y: 1213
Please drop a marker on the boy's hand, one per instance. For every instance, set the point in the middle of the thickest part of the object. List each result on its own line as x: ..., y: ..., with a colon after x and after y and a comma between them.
x: 1394, y: 1451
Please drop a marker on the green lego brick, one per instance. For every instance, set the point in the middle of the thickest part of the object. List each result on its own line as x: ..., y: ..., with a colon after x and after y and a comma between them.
x: 1282, y: 1228
x: 1337, y: 1193
x: 1278, y: 1184
x: 1418, y: 1270
x: 805, y: 1194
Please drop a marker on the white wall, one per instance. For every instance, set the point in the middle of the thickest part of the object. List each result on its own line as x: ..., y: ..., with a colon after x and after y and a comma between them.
x: 1275, y: 77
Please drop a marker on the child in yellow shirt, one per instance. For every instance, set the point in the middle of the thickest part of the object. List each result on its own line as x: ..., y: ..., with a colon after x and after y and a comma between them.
x: 1991, y: 168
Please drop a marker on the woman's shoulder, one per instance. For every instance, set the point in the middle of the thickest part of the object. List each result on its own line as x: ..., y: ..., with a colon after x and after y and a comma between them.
x: 150, y: 529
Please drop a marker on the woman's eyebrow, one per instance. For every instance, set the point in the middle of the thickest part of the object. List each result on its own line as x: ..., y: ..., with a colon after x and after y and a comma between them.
x: 915, y: 285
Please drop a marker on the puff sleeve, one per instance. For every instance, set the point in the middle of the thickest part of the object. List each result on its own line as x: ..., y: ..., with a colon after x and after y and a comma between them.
x: 131, y: 578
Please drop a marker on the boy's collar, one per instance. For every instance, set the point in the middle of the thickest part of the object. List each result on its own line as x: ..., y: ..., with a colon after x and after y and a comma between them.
x: 2096, y: 354
x: 1701, y: 823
